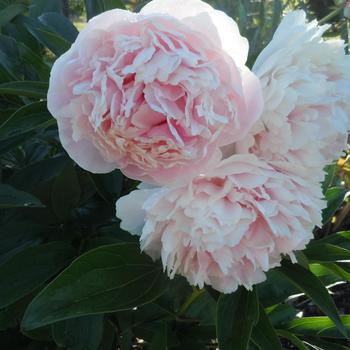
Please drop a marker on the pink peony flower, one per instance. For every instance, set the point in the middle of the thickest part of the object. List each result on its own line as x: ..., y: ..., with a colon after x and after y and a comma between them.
x: 227, y: 228
x: 306, y: 88
x: 155, y: 94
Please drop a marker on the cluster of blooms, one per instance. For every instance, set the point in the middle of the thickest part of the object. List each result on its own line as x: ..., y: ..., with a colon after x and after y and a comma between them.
x: 231, y: 159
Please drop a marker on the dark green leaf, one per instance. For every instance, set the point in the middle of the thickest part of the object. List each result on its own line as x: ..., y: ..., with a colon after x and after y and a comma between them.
x: 14, y: 141
x: 65, y: 192
x: 79, y: 333
x: 318, y: 326
x: 16, y: 236
x: 28, y: 118
x: 309, y: 284
x: 35, y: 61
x: 281, y: 313
x: 109, y: 186
x: 106, y: 279
x: 13, y: 198
x: 46, y: 36
x: 9, y: 12
x: 36, y: 89
x: 60, y: 25
x: 95, y: 7
x: 335, y: 198
x: 276, y: 289
x: 329, y: 178
x: 25, y: 271
x: 292, y: 338
x: 325, y: 252
x: 35, y: 174
x: 160, y: 341
x: 9, y: 56
x: 38, y: 7
x: 264, y: 335
x: 233, y: 332
x: 341, y: 239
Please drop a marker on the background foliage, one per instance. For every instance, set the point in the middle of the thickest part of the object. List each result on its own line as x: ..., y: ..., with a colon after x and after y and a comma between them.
x: 70, y: 278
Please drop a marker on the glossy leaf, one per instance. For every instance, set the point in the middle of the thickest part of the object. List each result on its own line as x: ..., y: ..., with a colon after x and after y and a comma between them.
x: 264, y: 335
x: 335, y: 198
x: 47, y: 37
x: 38, y: 7
x: 60, y: 25
x: 28, y: 118
x: 107, y: 279
x: 292, y: 338
x: 36, y: 89
x: 79, y: 333
x: 25, y: 271
x: 325, y: 252
x: 66, y: 192
x: 9, y: 12
x: 309, y: 284
x: 318, y: 326
x: 13, y: 198
x: 95, y: 7
x: 233, y: 332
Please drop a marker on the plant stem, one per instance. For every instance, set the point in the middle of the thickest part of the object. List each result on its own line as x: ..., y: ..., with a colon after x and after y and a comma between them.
x: 195, y: 294
x: 331, y: 15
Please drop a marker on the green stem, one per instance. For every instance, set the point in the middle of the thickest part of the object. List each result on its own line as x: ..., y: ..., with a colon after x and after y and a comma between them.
x: 331, y: 15
x: 195, y: 294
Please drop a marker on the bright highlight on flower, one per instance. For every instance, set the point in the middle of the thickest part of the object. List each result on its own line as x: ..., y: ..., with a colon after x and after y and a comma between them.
x: 154, y: 94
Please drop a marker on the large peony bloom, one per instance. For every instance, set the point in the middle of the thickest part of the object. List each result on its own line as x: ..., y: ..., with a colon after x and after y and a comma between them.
x: 228, y: 227
x: 155, y: 94
x: 306, y: 88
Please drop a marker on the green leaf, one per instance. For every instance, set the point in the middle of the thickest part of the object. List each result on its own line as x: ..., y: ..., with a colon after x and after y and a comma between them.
x: 46, y: 36
x: 16, y: 236
x: 65, y: 192
x: 37, y: 173
x: 233, y: 332
x: 35, y: 61
x: 14, y: 141
x: 264, y: 335
x: 160, y: 339
x: 109, y: 186
x: 281, y: 314
x: 325, y: 252
x: 309, y: 284
x: 13, y: 198
x: 10, y: 12
x: 38, y: 7
x: 36, y: 89
x: 60, y: 25
x: 106, y: 279
x: 276, y: 289
x: 324, y: 273
x: 27, y: 270
x: 341, y: 239
x: 318, y: 326
x: 79, y: 333
x: 329, y: 177
x: 335, y: 198
x: 95, y: 7
x: 28, y: 118
x: 292, y: 338
x: 9, y: 56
